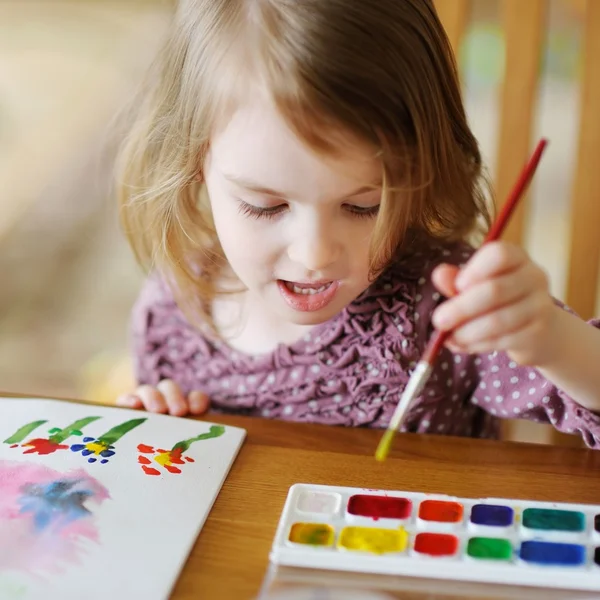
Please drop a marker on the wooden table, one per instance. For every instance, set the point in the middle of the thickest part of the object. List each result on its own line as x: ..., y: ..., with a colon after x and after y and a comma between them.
x: 230, y: 557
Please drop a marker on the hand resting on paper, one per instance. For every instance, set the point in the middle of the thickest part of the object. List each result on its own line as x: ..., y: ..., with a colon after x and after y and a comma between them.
x: 166, y: 397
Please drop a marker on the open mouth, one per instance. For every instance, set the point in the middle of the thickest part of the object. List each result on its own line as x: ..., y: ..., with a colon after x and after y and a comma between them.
x: 307, y: 297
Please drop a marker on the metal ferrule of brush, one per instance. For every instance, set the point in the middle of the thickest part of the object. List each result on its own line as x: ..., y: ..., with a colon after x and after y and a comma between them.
x: 413, y: 388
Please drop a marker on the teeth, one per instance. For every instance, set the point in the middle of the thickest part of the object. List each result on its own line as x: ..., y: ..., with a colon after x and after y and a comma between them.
x: 307, y: 291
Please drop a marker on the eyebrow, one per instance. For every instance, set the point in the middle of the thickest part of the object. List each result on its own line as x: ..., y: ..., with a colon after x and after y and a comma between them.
x: 256, y: 187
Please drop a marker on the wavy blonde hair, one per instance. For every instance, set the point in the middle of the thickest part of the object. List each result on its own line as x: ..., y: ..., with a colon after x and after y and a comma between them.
x: 382, y: 71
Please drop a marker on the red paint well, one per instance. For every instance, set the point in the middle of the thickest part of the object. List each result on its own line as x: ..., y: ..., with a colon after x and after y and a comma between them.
x: 441, y: 511
x: 436, y: 544
x: 379, y: 507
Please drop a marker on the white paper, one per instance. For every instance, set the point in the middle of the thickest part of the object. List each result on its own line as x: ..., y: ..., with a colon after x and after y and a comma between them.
x: 81, y: 530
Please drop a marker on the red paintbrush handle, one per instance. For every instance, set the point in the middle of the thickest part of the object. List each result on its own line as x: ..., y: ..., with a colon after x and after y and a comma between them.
x: 437, y: 340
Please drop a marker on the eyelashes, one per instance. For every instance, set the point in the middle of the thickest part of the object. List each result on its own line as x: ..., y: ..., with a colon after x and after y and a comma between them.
x: 258, y: 212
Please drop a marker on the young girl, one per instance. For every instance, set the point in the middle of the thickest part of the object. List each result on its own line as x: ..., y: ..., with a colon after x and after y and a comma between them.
x: 302, y: 182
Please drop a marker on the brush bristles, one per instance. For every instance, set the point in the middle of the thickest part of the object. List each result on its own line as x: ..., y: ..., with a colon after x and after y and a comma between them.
x: 385, y: 445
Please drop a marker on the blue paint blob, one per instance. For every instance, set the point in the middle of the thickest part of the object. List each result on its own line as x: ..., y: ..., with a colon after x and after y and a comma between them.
x: 77, y: 447
x: 107, y: 453
x: 92, y: 460
x: 103, y: 461
x: 493, y: 515
x: 88, y: 439
x: 552, y: 553
x: 87, y: 452
x: 56, y: 503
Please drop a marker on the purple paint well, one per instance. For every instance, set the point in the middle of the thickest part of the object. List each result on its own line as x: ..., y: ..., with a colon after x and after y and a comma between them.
x: 492, y: 515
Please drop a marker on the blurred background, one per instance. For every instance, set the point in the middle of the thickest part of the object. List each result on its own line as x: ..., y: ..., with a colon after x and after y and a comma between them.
x: 67, y: 277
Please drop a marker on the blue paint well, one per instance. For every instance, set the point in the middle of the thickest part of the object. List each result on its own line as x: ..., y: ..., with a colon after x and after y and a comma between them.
x: 493, y: 515
x: 553, y: 553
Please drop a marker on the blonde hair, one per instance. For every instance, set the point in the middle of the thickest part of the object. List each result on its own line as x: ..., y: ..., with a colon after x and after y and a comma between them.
x: 380, y: 70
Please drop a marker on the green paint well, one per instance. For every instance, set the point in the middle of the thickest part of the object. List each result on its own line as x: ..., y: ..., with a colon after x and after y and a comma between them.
x: 553, y: 520
x: 489, y: 548
x: 116, y: 433
x: 23, y: 432
x: 214, y: 432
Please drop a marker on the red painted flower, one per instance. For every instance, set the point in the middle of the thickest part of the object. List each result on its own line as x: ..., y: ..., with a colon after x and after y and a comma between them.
x: 42, y: 446
x: 165, y: 458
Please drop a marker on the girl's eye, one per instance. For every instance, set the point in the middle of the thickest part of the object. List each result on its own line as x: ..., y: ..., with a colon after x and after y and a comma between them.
x: 259, y: 212
x: 363, y: 211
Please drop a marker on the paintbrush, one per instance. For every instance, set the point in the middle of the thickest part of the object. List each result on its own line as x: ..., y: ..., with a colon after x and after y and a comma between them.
x: 424, y: 367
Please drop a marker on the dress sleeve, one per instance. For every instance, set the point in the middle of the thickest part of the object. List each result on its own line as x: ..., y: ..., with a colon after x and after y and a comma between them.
x: 508, y: 390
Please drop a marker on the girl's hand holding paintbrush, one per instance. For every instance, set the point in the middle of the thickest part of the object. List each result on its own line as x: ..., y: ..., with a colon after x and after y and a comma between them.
x: 499, y: 301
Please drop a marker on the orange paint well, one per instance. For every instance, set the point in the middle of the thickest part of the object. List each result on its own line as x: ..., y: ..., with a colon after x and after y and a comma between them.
x: 441, y: 511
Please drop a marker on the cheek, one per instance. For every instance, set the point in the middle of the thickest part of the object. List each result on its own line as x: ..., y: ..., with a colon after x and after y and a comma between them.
x: 243, y: 240
x: 359, y: 249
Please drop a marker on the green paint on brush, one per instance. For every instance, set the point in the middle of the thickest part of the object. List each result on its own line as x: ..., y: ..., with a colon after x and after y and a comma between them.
x: 60, y: 435
x: 117, y: 432
x: 23, y: 432
x: 214, y: 432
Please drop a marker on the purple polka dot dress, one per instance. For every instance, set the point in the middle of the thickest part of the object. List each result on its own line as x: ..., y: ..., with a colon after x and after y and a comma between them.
x: 352, y: 369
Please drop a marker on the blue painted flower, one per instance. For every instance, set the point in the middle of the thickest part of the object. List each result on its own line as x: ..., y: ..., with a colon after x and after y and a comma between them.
x: 56, y: 503
x: 95, y: 449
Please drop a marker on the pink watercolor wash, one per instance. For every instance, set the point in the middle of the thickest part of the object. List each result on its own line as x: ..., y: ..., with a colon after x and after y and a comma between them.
x: 46, y: 517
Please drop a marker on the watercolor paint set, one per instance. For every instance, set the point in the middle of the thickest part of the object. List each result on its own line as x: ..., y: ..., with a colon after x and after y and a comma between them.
x: 491, y: 540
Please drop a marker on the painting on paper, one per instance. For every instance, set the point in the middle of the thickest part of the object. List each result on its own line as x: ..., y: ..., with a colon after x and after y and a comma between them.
x: 102, y: 498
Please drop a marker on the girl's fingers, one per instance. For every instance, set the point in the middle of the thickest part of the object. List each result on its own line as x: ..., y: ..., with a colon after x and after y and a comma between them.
x: 501, y: 323
x: 490, y: 295
x: 174, y: 399
x: 443, y: 278
x: 129, y: 401
x: 152, y: 399
x: 198, y: 402
x: 492, y: 259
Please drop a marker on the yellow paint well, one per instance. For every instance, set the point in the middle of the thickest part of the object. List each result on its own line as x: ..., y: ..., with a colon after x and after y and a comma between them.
x: 373, y: 539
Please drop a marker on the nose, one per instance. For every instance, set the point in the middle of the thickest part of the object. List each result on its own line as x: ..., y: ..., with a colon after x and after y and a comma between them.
x: 315, y: 247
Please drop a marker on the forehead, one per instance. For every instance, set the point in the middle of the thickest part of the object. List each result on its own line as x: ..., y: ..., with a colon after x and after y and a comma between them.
x: 256, y: 143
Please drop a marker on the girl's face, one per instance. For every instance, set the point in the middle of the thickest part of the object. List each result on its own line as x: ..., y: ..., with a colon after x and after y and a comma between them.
x: 294, y: 226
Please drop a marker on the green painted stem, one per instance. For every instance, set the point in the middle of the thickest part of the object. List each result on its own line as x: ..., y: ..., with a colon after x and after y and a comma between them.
x: 24, y: 432
x: 73, y: 429
x: 214, y: 432
x: 116, y: 433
